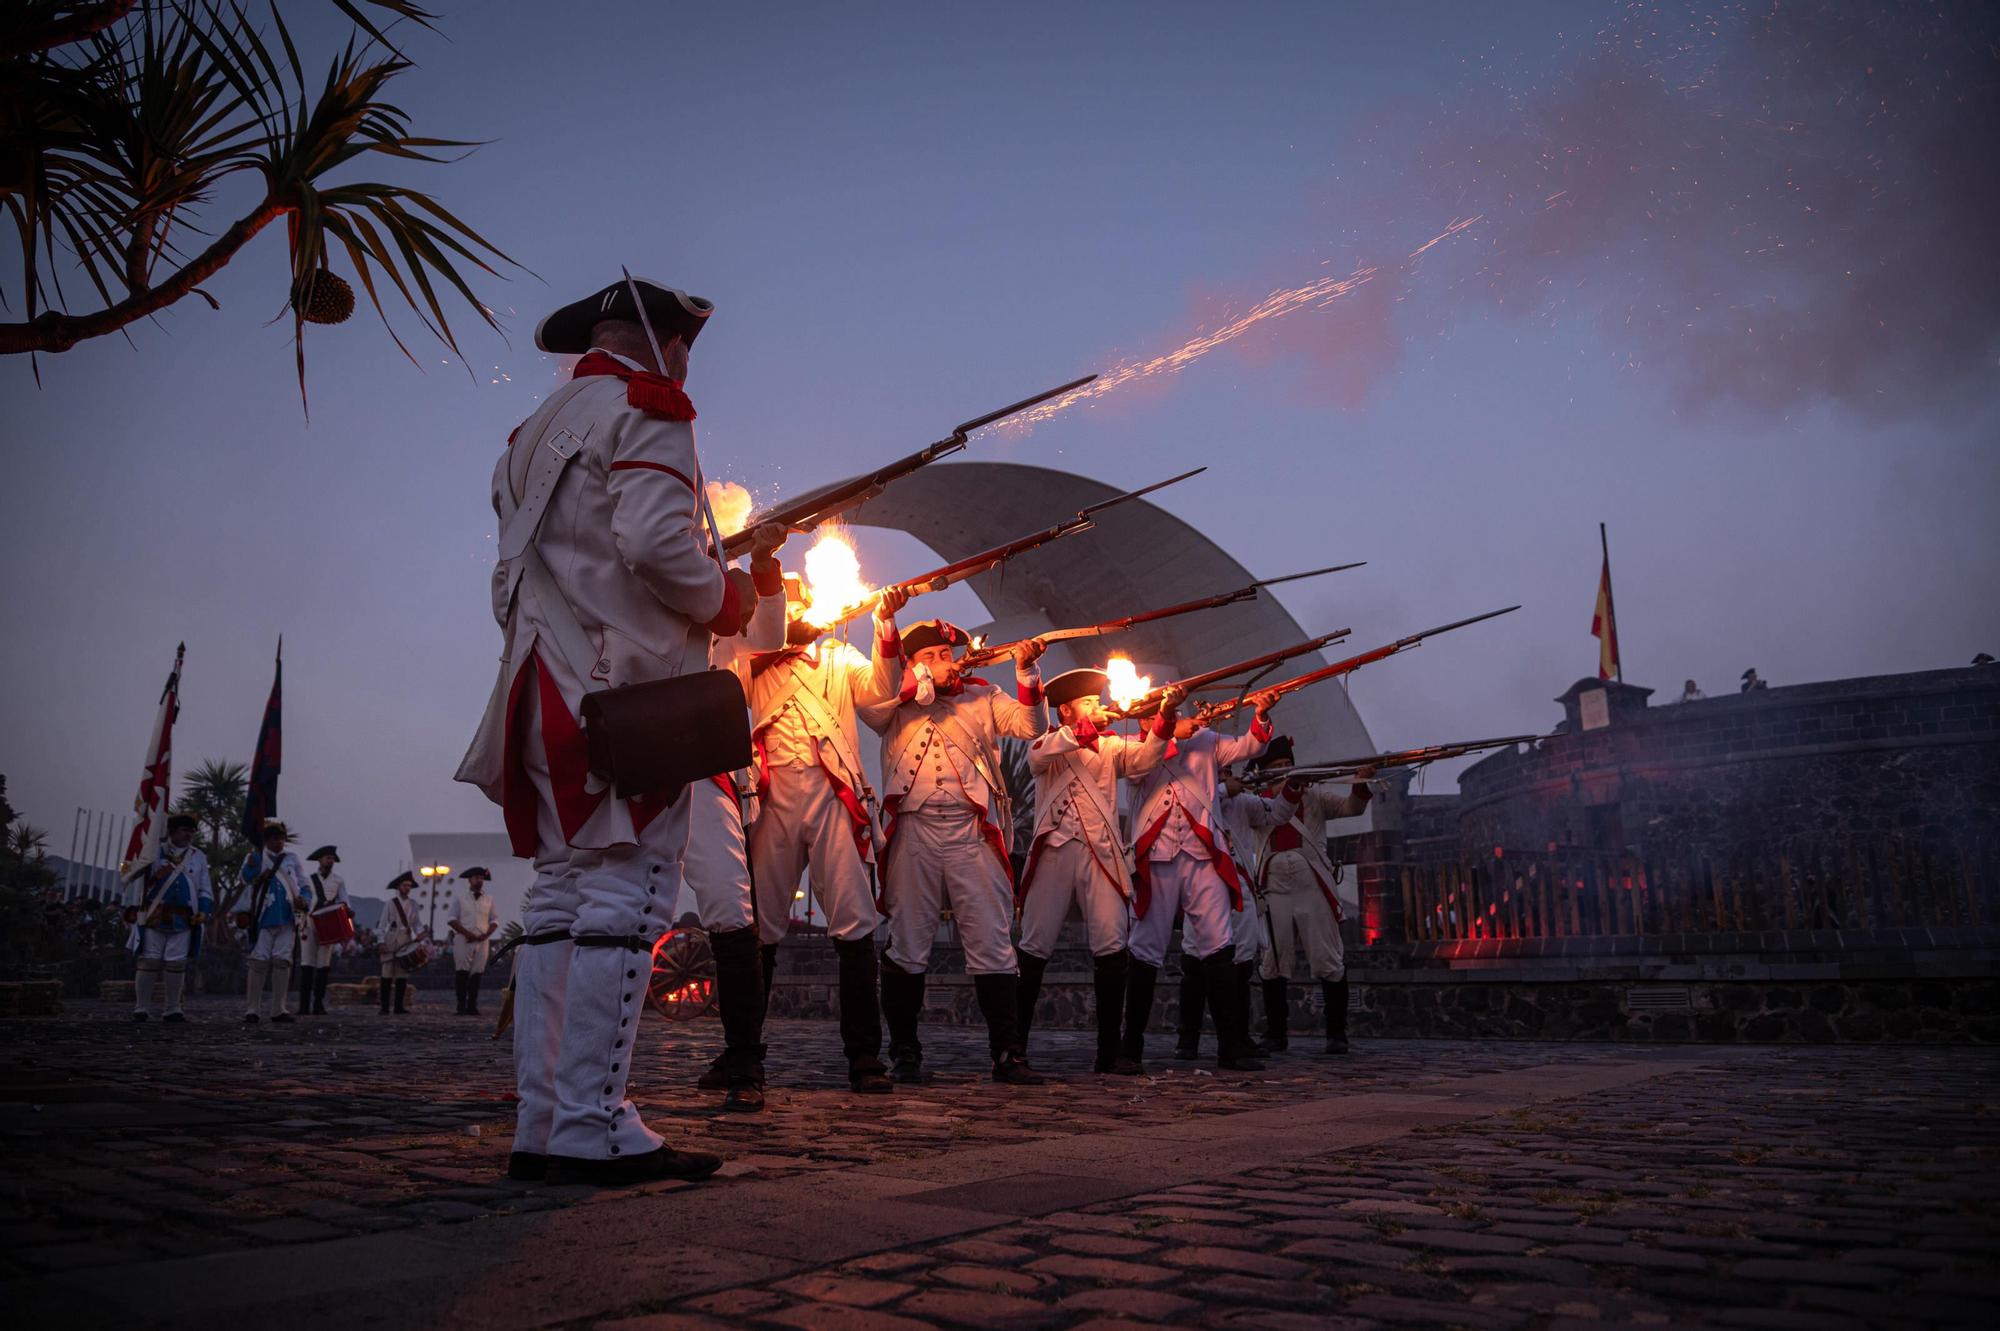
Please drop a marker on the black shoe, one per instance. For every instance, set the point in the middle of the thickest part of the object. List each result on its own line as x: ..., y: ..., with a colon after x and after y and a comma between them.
x: 909, y: 1071
x: 868, y: 1077
x: 617, y: 1171
x: 281, y: 1018
x: 1256, y: 1050
x: 249, y: 1019
x: 1337, y: 1045
x: 174, y: 1016
x: 1241, y: 1063
x: 745, y: 1097
x: 1123, y: 1067
x: 138, y: 1016
x: 714, y: 1078
x: 1276, y: 1044
x: 1013, y: 1069
x: 527, y: 1166
x: 1186, y: 1053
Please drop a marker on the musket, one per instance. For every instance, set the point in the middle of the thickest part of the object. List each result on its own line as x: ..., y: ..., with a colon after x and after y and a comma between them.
x: 816, y: 506
x: 1208, y: 712
x: 959, y: 570
x: 1347, y: 767
x: 1149, y: 702
x: 987, y: 653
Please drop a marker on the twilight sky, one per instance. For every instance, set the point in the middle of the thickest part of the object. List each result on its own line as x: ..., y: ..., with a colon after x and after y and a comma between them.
x: 1732, y: 290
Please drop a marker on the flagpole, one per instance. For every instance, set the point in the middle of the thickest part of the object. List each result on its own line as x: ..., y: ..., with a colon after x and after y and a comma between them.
x: 1610, y: 600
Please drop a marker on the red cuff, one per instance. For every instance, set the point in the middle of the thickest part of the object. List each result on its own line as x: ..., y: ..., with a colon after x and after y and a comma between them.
x: 887, y: 638
x: 1161, y: 728
x: 1028, y: 690
x: 1261, y: 730
x: 769, y: 575
x: 728, y: 621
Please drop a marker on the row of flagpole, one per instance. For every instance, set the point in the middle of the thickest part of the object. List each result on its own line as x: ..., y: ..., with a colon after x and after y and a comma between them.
x: 156, y: 778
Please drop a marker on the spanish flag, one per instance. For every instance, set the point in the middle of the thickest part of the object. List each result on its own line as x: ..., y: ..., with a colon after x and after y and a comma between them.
x: 1604, y: 624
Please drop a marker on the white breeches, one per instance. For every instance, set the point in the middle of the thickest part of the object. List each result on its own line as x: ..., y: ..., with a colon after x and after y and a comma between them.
x: 164, y: 945
x: 939, y: 859
x: 803, y: 826
x: 470, y: 956
x: 1300, y: 917
x: 1193, y: 887
x: 1246, y: 932
x: 274, y: 944
x: 1065, y: 876
x: 314, y: 953
x: 717, y: 865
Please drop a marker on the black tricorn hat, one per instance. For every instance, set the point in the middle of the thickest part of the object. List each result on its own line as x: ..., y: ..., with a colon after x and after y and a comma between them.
x: 672, y: 311
x: 404, y: 877
x: 932, y: 633
x: 1279, y: 750
x: 476, y: 869
x: 324, y: 851
x: 1073, y: 684
x: 176, y: 821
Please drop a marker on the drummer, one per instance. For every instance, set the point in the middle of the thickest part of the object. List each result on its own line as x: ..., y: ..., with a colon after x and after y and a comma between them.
x: 473, y: 920
x: 401, y: 933
x: 329, y: 894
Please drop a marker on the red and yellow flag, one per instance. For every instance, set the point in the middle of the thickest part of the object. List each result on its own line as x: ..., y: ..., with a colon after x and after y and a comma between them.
x: 1604, y: 624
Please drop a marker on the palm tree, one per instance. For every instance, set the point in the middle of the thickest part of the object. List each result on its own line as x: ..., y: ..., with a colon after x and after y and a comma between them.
x: 213, y: 793
x: 26, y: 843
x: 119, y: 119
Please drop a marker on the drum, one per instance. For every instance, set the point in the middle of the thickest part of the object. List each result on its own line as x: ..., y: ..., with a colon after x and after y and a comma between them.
x: 332, y: 925
x: 416, y: 955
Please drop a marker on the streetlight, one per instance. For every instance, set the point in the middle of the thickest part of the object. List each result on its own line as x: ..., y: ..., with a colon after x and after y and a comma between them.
x: 433, y: 876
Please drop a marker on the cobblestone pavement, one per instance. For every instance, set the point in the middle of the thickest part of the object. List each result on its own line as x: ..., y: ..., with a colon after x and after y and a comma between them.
x: 1416, y: 1183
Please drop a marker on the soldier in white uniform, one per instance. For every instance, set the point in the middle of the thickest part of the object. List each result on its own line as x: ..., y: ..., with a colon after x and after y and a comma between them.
x: 1247, y: 817
x: 813, y: 808
x: 316, y: 958
x: 170, y: 898
x: 947, y: 823
x: 1077, y: 857
x: 1181, y: 861
x: 605, y: 578
x: 1300, y: 886
x: 472, y: 924
x: 399, y: 927
x: 275, y: 901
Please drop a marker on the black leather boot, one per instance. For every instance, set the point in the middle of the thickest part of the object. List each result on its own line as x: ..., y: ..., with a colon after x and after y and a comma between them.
x: 769, y: 952
x: 861, y: 1015
x: 1335, y: 993
x: 403, y: 997
x: 1028, y: 993
x: 902, y: 1002
x: 458, y: 986
x: 739, y: 993
x: 1244, y: 971
x: 319, y: 990
x: 306, y: 974
x: 1230, y: 1050
x: 1140, y: 979
x: 1277, y: 1015
x: 472, y: 979
x: 999, y: 1002
x: 384, y: 986
x: 1194, y: 1001
x: 1108, y: 976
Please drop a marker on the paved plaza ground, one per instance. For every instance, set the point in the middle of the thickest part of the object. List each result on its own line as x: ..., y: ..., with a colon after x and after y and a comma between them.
x: 347, y: 1172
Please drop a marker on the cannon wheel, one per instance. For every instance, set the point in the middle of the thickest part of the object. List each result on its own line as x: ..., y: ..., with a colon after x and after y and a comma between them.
x: 682, y: 986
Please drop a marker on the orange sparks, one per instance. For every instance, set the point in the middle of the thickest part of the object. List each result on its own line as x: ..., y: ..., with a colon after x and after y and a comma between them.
x: 1285, y: 301
x: 731, y: 503
x: 833, y: 573
x: 1125, y: 684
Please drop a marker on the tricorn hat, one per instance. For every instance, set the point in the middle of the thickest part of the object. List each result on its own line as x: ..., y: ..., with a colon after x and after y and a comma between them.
x: 932, y: 633
x: 176, y: 821
x: 476, y: 871
x: 404, y: 877
x: 1073, y: 684
x: 672, y: 311
x: 1278, y: 751
x: 273, y: 825
x: 323, y: 852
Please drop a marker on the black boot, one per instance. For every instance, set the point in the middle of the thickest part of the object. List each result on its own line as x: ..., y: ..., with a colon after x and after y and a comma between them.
x: 458, y: 986
x: 306, y: 974
x: 1140, y: 979
x: 1108, y: 976
x: 769, y: 954
x: 1335, y: 993
x: 1244, y: 970
x: 472, y: 979
x: 1230, y: 1050
x: 739, y: 993
x: 319, y: 990
x: 383, y: 987
x: 403, y: 997
x: 861, y: 1015
x: 999, y: 1002
x: 1194, y: 1001
x: 1277, y: 1015
x: 902, y: 1002
x: 1028, y: 993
